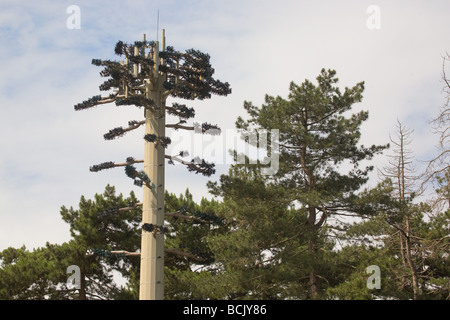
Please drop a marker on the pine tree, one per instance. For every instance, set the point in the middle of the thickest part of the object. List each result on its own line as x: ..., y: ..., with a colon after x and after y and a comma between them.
x: 105, y: 235
x: 97, y: 227
x: 36, y: 275
x: 320, y: 161
x: 260, y: 255
x: 108, y: 223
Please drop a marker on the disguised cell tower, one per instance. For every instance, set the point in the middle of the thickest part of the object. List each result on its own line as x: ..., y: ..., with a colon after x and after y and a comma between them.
x: 145, y: 79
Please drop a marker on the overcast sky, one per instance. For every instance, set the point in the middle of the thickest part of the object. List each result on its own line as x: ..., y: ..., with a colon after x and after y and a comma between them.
x: 258, y: 46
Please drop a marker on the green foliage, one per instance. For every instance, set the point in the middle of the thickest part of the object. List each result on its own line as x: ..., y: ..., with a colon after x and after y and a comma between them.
x: 285, y: 236
x: 319, y: 178
x: 186, y: 276
x: 98, y: 227
x: 383, y: 237
x: 265, y: 240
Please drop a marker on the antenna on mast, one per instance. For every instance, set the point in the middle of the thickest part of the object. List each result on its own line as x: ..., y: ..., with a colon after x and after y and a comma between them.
x: 157, y: 26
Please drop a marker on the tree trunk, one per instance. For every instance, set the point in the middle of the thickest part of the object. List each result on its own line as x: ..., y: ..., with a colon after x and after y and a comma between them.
x: 82, y: 291
x: 314, y: 285
x: 402, y: 186
x: 412, y: 267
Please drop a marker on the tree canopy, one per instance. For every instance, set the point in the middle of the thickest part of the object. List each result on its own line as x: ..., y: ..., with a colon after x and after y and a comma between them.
x: 313, y: 230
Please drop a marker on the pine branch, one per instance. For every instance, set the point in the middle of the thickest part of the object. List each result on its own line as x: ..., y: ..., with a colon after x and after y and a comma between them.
x: 139, y: 177
x: 197, y: 217
x: 182, y: 216
x: 118, y: 73
x: 110, y: 164
x: 103, y: 253
x: 123, y: 253
x: 137, y: 100
x: 201, y: 166
x: 95, y: 101
x: 207, y: 128
x: 126, y: 253
x: 196, y: 165
x: 131, y: 207
x: 119, y: 131
x: 127, y: 50
x: 190, y: 75
x: 209, y: 218
x: 102, y: 166
x: 177, y: 126
x: 186, y: 254
x: 155, y: 229
x: 162, y: 141
x: 203, y: 128
x: 181, y: 111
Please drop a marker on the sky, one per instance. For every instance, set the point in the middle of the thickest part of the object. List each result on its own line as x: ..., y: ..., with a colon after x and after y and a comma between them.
x: 258, y: 46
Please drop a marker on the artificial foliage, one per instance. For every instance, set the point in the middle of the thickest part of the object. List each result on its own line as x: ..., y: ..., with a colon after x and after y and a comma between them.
x: 105, y: 253
x: 150, y: 227
x: 140, y: 177
x: 163, y: 141
x: 188, y: 75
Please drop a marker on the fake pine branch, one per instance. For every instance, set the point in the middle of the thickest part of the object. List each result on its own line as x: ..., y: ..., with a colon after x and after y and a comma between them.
x: 181, y: 111
x: 139, y: 177
x: 155, y: 229
x: 198, y: 216
x: 118, y: 254
x: 110, y: 164
x: 102, y: 166
x: 203, y: 128
x: 138, y: 101
x: 118, y: 132
x: 201, y: 166
x: 195, y: 165
x: 162, y: 141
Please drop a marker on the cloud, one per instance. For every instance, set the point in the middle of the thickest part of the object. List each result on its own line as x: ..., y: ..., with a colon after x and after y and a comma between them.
x: 258, y: 46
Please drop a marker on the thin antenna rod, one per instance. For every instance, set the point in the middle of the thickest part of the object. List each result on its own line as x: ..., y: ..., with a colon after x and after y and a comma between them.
x: 157, y: 27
